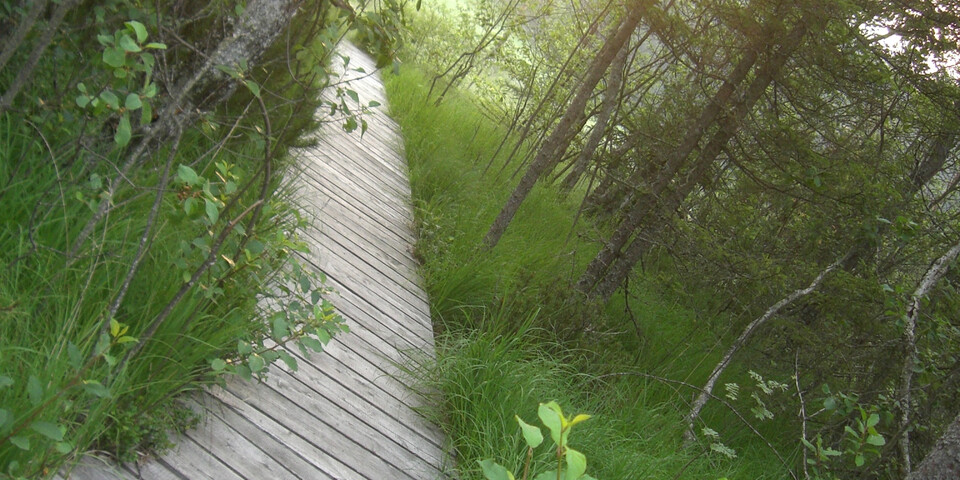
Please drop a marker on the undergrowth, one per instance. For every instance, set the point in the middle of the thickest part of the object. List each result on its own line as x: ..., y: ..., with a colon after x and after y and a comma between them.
x: 512, y: 333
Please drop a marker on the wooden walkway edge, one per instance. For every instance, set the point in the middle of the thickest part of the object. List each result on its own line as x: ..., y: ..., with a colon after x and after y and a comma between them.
x: 343, y: 414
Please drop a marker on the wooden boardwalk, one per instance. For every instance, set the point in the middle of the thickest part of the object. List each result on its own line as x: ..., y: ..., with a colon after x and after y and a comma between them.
x: 343, y: 414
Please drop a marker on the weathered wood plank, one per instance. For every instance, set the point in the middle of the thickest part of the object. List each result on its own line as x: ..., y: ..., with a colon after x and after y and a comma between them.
x: 232, y: 447
x: 300, y: 454
x: 297, y: 410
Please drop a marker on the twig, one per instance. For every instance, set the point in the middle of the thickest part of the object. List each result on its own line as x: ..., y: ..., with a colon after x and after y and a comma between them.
x: 210, y: 260
x: 144, y: 239
x: 803, y: 411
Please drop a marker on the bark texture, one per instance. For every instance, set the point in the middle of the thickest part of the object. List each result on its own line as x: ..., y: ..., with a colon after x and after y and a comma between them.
x: 930, y: 279
x: 261, y: 23
x: 611, y: 97
x: 943, y: 462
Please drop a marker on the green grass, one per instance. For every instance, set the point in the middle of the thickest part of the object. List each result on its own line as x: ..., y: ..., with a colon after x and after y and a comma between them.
x: 60, y: 395
x: 511, y: 333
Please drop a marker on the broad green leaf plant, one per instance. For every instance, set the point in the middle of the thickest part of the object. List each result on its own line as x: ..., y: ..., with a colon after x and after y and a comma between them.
x: 571, y: 464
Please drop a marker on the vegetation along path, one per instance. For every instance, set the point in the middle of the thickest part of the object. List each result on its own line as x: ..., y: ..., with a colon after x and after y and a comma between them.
x: 343, y: 414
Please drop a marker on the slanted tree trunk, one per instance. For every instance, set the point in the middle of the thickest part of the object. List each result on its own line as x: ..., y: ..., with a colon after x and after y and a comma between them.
x: 729, y: 125
x: 611, y: 97
x: 11, y: 40
x: 261, y: 23
x: 689, y: 435
x: 611, y: 249
x: 559, y: 139
x: 930, y: 279
x: 26, y: 70
x: 943, y: 462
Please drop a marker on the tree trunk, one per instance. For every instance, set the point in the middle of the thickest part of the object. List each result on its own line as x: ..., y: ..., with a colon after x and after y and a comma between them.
x: 674, y: 162
x: 729, y: 125
x: 261, y: 23
x: 943, y: 462
x: 26, y: 70
x: 689, y: 435
x: 12, y: 42
x: 932, y: 162
x: 930, y: 279
x: 557, y: 142
x: 611, y: 99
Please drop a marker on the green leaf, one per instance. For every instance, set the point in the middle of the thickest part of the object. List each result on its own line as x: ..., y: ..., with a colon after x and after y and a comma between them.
x: 124, y: 132
x: 579, y: 418
x: 288, y: 359
x: 494, y: 471
x: 138, y: 29
x: 213, y: 213
x: 270, y: 356
x: 576, y: 464
x: 5, y: 381
x: 188, y: 175
x: 312, y: 344
x: 830, y: 403
x: 22, y: 443
x: 373, y: 104
x: 255, y: 247
x: 103, y: 343
x: 63, y: 447
x: 110, y: 99
x: 873, y: 420
x: 550, y: 475
x: 244, y: 348
x: 128, y: 45
x: 49, y: 429
x: 323, y: 335
x: 876, y: 440
x: 5, y: 417
x: 254, y: 88
x: 218, y: 364
x: 244, y: 372
x: 353, y: 95
x: 531, y: 434
x: 859, y: 460
x: 83, y: 101
x: 114, y: 57
x: 549, y: 414
x: 156, y: 46
x: 132, y: 101
x: 95, y: 388
x: 150, y: 90
x: 256, y: 363
x: 829, y: 452
x: 350, y: 125
x: 34, y: 390
x: 280, y: 327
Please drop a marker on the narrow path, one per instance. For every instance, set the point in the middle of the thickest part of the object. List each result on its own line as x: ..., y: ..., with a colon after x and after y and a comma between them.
x: 343, y: 414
